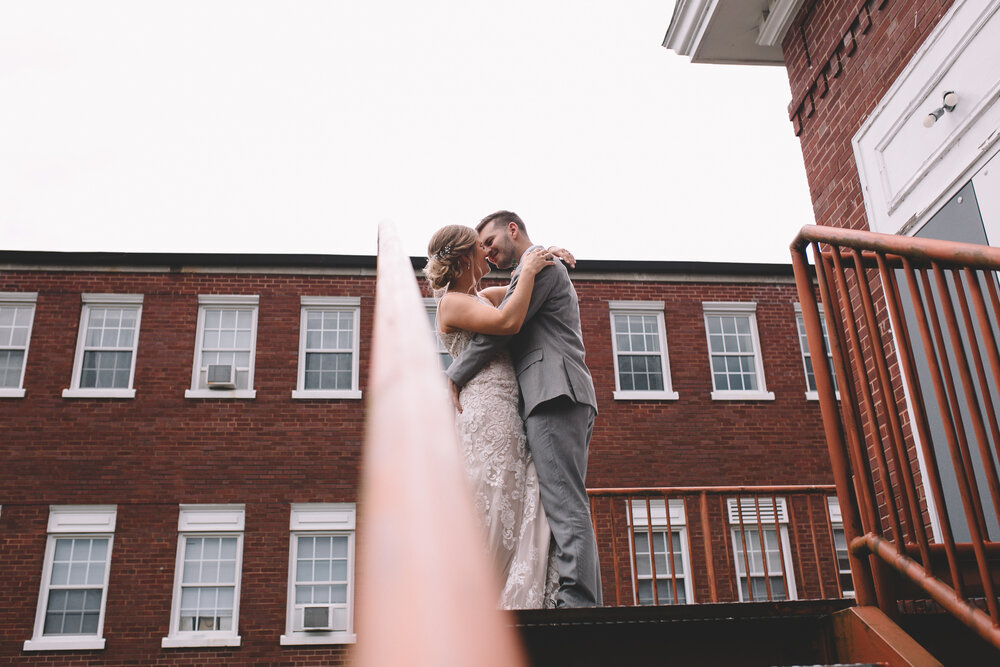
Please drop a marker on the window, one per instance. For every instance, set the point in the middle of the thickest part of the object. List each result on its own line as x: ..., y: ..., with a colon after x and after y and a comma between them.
x: 666, y: 538
x: 328, y: 347
x: 74, y: 579
x: 807, y: 364
x: 321, y: 575
x: 225, y: 347
x: 639, y: 340
x: 760, y: 540
x: 431, y: 306
x: 205, y: 610
x: 106, y: 347
x: 734, y: 351
x: 17, y: 313
x: 840, y: 548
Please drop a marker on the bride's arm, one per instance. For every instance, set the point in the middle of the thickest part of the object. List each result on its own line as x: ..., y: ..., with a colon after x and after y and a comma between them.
x: 458, y: 311
x: 494, y: 294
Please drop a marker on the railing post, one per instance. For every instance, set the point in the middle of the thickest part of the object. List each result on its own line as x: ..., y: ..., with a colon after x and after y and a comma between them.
x: 427, y: 593
x: 864, y: 588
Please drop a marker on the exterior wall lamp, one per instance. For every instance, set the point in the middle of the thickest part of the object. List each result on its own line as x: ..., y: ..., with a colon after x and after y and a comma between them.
x: 950, y: 101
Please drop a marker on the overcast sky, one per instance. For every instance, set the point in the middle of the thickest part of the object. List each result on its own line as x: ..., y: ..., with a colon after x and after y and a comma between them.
x: 297, y: 125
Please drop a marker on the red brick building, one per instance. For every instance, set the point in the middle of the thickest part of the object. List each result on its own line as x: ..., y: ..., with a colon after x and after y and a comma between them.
x: 182, y: 443
x: 895, y: 105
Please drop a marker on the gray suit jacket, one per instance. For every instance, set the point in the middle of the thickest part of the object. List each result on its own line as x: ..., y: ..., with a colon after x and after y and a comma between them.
x: 547, y: 352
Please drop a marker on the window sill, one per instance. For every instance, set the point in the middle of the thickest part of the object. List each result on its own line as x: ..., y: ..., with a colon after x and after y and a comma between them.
x: 65, y: 644
x: 306, y: 638
x: 98, y: 393
x: 646, y: 395
x: 814, y: 395
x: 196, y: 640
x: 742, y: 395
x: 11, y: 393
x: 306, y: 394
x: 221, y: 393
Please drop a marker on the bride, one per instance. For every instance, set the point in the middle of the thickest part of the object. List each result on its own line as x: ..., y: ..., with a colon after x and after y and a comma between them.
x: 496, y: 457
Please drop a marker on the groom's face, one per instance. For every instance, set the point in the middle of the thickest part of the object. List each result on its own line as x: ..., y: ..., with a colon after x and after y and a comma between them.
x: 498, y: 244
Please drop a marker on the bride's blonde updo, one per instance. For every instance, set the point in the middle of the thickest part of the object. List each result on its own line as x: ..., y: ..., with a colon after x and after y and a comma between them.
x: 447, y: 253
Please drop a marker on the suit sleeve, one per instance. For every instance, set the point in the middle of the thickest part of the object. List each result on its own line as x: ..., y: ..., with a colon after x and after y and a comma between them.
x: 483, y: 347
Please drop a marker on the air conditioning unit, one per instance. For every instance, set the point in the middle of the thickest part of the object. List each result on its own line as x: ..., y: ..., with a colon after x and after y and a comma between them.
x: 316, y: 619
x: 221, y: 376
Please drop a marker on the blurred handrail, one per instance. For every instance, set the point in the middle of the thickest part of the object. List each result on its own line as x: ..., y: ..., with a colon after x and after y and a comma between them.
x: 427, y: 594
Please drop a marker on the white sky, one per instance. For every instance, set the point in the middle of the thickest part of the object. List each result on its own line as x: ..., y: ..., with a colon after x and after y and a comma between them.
x: 298, y: 125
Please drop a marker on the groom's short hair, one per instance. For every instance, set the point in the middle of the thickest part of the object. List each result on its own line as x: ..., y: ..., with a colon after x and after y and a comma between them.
x: 503, y: 218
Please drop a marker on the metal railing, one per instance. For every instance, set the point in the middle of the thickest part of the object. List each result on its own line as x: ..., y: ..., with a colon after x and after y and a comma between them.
x: 426, y: 591
x: 914, y: 436
x: 681, y: 545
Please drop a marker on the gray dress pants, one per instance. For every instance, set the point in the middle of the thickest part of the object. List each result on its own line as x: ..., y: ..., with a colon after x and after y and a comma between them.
x: 559, y: 439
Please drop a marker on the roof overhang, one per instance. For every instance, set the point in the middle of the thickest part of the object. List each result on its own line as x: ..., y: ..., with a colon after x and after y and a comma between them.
x: 731, y: 32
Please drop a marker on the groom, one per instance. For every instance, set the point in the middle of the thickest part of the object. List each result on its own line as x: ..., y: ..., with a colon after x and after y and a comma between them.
x: 558, y: 403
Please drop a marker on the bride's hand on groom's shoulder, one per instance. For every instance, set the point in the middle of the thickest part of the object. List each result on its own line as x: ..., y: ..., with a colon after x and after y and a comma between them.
x: 536, y: 260
x: 565, y: 255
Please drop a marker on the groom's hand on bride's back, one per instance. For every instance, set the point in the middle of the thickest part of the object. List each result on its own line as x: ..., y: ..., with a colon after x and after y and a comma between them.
x: 454, y: 395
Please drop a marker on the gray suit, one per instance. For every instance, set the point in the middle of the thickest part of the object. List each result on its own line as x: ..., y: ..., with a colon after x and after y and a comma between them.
x: 558, y: 405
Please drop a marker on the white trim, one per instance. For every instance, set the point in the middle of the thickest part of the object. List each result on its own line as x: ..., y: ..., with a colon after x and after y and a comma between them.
x: 73, y: 643
x: 131, y: 302
x: 762, y: 509
x: 228, y: 300
x: 342, y: 304
x: 112, y: 299
x: 737, y: 308
x: 20, y: 300
x: 833, y: 506
x: 211, y: 518
x: 342, y: 301
x: 220, y: 393
x: 780, y: 15
x: 82, y: 518
x: 197, y: 522
x: 19, y: 297
x: 729, y: 306
x: 224, y: 302
x: 742, y: 395
x: 320, y: 519
x: 907, y: 171
x: 654, y: 308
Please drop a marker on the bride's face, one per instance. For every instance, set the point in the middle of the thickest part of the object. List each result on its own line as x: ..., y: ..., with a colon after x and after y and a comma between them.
x: 480, y: 266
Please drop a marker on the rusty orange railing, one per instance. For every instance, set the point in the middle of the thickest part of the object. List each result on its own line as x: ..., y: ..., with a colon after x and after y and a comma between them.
x: 426, y: 591
x: 683, y: 545
x: 914, y: 437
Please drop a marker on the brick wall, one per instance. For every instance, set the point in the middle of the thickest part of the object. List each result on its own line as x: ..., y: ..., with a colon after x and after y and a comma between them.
x: 151, y: 453
x: 841, y: 57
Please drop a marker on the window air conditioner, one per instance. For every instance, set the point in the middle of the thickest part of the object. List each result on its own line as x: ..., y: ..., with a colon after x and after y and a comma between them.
x: 221, y: 376
x: 316, y: 619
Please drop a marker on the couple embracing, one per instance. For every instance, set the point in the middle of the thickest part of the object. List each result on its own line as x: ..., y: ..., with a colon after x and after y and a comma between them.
x: 525, y: 407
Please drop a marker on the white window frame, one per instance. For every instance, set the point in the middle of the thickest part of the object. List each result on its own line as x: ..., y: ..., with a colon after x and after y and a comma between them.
x: 837, y: 523
x: 309, y: 304
x: 19, y: 300
x: 211, y: 301
x: 320, y: 520
x: 431, y: 306
x: 737, y: 309
x: 678, y: 526
x: 197, y: 521
x: 69, y: 522
x: 812, y: 394
x: 91, y: 301
x: 750, y: 524
x: 642, y: 308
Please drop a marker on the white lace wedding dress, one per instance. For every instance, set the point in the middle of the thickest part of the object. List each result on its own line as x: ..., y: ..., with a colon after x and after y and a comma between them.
x: 504, y: 481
